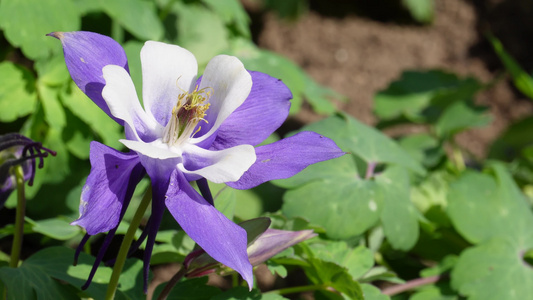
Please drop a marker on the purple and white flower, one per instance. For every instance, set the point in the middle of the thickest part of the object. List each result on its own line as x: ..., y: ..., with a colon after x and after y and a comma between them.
x: 190, y: 129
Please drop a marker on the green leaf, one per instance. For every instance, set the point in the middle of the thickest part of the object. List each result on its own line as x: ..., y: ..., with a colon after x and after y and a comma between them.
x: 399, y: 217
x: 511, y: 143
x: 53, y: 71
x: 421, y: 97
x: 242, y: 293
x: 290, y: 9
x: 358, y: 261
x: 275, y: 65
x: 429, y: 197
x: 424, y: 148
x: 366, y: 142
x: 482, y: 206
x: 137, y: 16
x: 440, y: 291
x: 17, y: 92
x: 133, y: 50
x: 56, y: 168
x: 255, y: 227
x: 232, y: 13
x: 199, y: 30
x: 225, y: 200
x: 490, y: 211
x: 495, y: 270
x: 77, y: 136
x: 57, y: 228
x: 319, y: 96
x: 26, y: 23
x: 335, y: 276
x: 353, y: 204
x: 373, y: 293
x: 83, y: 108
x: 34, y: 279
x: 53, y: 110
x: 276, y: 269
x: 460, y: 116
x: 421, y: 10
x: 522, y: 80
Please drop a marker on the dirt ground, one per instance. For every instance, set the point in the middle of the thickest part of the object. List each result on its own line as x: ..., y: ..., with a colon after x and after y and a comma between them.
x: 358, y: 55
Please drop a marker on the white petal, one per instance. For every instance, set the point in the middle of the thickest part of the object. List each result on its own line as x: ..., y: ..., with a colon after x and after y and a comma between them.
x: 230, y: 83
x: 156, y: 149
x: 168, y: 71
x: 218, y: 166
x: 119, y: 94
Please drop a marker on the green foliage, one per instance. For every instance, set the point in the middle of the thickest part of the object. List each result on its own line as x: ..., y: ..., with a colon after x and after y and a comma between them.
x: 421, y: 10
x: 522, y: 80
x: 25, y: 24
x: 49, y: 274
x: 17, y: 85
x: 390, y: 210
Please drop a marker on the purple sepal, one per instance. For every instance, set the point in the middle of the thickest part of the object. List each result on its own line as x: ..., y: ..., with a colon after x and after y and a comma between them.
x: 273, y: 241
x: 265, y: 109
x: 222, y: 239
x: 286, y: 158
x: 110, y: 185
x: 86, y: 53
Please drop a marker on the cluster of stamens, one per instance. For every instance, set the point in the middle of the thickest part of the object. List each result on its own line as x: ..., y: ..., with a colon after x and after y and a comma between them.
x: 190, y: 109
x: 16, y: 149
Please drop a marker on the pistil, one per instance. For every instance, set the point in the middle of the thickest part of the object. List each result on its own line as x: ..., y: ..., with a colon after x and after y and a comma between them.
x: 190, y: 109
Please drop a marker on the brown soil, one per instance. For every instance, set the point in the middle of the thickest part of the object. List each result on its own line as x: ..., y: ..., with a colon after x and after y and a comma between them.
x: 358, y: 56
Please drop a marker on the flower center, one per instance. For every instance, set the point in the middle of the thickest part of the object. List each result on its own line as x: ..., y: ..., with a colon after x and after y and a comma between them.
x: 189, y: 111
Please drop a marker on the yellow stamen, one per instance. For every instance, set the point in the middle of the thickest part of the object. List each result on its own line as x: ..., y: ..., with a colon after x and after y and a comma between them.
x: 190, y: 109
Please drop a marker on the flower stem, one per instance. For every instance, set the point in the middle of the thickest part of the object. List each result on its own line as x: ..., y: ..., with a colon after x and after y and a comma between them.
x: 126, y: 243
x: 298, y: 289
x: 370, y: 170
x: 19, y: 219
x: 409, y: 285
x: 173, y: 281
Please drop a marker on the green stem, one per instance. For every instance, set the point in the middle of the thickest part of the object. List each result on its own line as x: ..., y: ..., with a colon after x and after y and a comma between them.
x: 126, y: 243
x: 117, y: 32
x: 409, y: 285
x: 19, y: 220
x: 170, y: 285
x: 298, y: 289
x: 234, y: 279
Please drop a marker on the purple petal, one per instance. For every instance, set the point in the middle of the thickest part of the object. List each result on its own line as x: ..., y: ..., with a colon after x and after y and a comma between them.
x: 224, y: 240
x: 274, y: 241
x: 286, y: 158
x: 265, y: 109
x: 109, y: 186
x: 86, y: 53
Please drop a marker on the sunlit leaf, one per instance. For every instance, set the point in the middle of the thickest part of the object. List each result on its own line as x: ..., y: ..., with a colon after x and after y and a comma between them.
x: 490, y: 211
x: 17, y: 92
x: 26, y: 23
x: 373, y: 293
x: 522, y: 80
x: 137, y: 16
x: 422, y: 96
x: 421, y: 10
